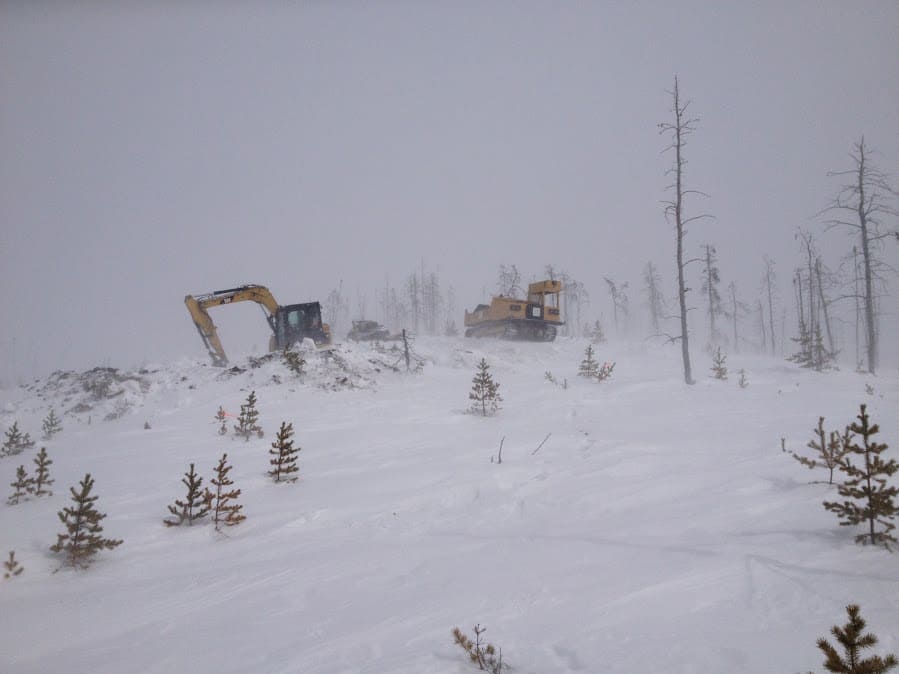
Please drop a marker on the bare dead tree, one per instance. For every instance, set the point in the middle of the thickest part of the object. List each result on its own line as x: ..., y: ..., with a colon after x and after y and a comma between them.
x: 619, y: 300
x: 509, y: 281
x: 710, y: 280
x: 654, y: 299
x: 737, y: 309
x: 768, y: 281
x: 861, y: 205
x: 679, y: 130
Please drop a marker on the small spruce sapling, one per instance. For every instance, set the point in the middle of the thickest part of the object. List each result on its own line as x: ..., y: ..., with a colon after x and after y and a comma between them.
x: 16, y: 441
x: 485, y: 655
x: 12, y: 566
x: 82, y: 539
x: 224, y: 512
x: 248, y: 421
x: 21, y: 487
x: 221, y: 419
x: 872, y: 501
x: 42, y: 474
x: 589, y: 367
x: 195, y: 505
x: 830, y: 453
x: 484, y: 392
x: 719, y: 364
x: 284, y: 461
x: 51, y: 425
x: 850, y: 637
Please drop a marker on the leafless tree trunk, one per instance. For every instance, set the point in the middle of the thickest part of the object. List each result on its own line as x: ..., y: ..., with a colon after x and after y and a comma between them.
x: 861, y: 204
x: 822, y: 303
x: 710, y: 282
x: 654, y: 299
x: 679, y: 129
x: 736, y: 307
x: 768, y: 282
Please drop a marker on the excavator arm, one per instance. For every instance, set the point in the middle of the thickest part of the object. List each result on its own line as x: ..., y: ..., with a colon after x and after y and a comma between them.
x: 199, y: 304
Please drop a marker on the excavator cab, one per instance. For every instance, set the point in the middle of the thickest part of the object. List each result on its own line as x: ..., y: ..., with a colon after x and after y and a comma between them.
x: 295, y: 322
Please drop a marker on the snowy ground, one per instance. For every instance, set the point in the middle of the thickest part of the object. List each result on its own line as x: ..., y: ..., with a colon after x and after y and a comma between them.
x: 660, y: 528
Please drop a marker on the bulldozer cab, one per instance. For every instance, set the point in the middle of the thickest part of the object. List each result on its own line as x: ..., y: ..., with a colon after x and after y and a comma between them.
x: 295, y: 322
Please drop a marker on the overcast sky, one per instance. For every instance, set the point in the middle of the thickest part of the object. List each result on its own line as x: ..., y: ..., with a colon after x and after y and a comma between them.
x: 151, y: 150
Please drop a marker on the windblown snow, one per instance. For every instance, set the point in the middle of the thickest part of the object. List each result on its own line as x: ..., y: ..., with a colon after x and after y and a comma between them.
x: 658, y: 527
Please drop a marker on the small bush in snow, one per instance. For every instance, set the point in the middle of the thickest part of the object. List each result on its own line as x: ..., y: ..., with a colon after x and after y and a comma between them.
x: 224, y: 512
x: 13, y: 568
x: 829, y: 453
x: 850, y: 637
x: 486, y: 656
x: 195, y: 505
x: 16, y: 441
x: 872, y: 501
x: 82, y: 539
x: 604, y: 371
x: 51, y: 425
x: 484, y: 392
x: 552, y: 380
x: 294, y: 361
x: 248, y: 421
x: 284, y: 462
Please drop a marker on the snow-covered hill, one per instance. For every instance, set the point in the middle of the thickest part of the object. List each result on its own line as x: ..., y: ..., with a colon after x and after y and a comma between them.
x: 659, y: 528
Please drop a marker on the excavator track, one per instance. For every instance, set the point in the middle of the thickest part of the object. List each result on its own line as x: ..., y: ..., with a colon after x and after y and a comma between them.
x: 514, y: 330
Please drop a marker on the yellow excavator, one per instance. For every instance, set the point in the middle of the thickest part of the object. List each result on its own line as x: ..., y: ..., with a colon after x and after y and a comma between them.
x: 535, y: 319
x: 290, y: 324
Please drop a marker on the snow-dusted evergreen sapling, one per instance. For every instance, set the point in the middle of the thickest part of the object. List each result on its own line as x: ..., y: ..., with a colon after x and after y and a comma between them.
x: 224, y: 512
x: 597, y: 336
x: 284, y: 461
x: 82, y: 539
x: 829, y: 454
x: 588, y: 367
x: 42, y: 474
x: 51, y: 425
x: 248, y: 421
x: 21, y: 487
x: 850, y: 637
x: 16, y: 441
x: 12, y: 566
x: 195, y: 505
x: 872, y: 501
x: 719, y: 364
x: 484, y: 392
x: 221, y: 417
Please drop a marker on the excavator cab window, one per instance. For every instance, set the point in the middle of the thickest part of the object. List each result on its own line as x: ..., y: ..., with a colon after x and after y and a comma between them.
x: 296, y: 318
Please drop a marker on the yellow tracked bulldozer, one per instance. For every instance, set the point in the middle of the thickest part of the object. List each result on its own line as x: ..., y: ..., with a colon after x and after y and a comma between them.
x: 290, y: 324
x: 535, y: 319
